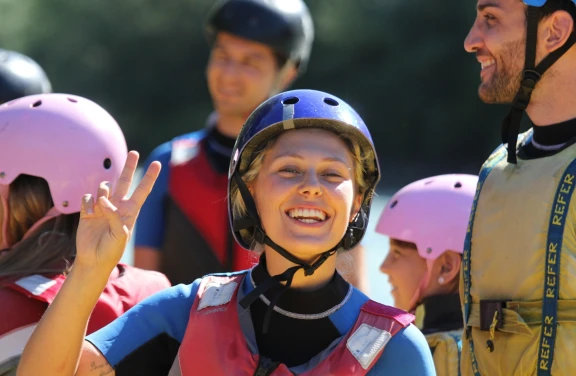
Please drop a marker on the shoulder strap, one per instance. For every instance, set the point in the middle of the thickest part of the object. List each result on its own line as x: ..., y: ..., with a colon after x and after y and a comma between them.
x: 375, y: 326
x: 217, y: 290
x: 522, y: 139
x: 551, y: 292
x: 185, y: 147
x: 39, y: 287
x: 402, y: 317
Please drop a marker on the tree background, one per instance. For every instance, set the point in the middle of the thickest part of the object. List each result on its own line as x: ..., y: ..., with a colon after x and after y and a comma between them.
x: 401, y: 64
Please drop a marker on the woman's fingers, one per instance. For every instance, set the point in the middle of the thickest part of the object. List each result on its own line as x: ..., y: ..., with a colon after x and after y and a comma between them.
x: 126, y: 177
x: 87, y: 207
x: 120, y: 212
x: 115, y: 221
x: 145, y: 187
x: 104, y: 190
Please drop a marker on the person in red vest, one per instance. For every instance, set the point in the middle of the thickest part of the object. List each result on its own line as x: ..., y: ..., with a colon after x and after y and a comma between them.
x: 300, y: 188
x: 258, y: 48
x: 53, y: 149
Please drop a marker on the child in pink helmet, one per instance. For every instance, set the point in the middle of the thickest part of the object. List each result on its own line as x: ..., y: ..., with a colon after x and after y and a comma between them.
x: 53, y: 149
x: 426, y: 223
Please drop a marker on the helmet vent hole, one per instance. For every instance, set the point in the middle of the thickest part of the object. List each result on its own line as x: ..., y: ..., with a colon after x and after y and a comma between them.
x: 107, y: 163
x: 37, y: 104
x: 458, y: 185
x: 393, y: 204
x: 428, y: 182
x: 331, y: 102
x: 72, y: 100
x: 290, y: 101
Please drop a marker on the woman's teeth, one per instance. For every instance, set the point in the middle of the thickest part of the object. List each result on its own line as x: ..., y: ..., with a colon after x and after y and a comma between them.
x: 307, y: 215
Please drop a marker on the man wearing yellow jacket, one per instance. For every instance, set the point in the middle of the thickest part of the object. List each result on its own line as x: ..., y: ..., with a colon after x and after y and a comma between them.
x: 518, y: 287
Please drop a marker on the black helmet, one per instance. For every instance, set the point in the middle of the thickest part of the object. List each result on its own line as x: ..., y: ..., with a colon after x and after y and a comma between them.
x: 20, y: 76
x: 284, y: 25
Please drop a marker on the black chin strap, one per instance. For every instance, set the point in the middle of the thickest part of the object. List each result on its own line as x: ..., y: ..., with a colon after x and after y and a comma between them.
x: 530, y: 77
x: 252, y: 221
x: 287, y: 277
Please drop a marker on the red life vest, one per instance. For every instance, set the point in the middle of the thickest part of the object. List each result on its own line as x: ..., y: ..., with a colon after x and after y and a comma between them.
x: 25, y: 301
x: 197, y: 239
x: 126, y: 287
x: 214, y: 343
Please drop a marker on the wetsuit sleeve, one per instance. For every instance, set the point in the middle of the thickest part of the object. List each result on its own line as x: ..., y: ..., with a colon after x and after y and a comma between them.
x: 145, y: 339
x: 407, y: 354
x: 149, y: 231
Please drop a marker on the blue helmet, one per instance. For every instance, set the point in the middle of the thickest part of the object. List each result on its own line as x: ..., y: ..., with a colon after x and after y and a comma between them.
x: 296, y: 109
x: 538, y: 3
x: 302, y: 109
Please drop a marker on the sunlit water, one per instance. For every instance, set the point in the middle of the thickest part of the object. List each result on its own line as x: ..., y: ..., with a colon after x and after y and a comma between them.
x: 376, y: 246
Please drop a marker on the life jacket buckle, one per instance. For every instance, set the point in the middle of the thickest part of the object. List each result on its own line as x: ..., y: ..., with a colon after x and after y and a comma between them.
x: 489, y: 311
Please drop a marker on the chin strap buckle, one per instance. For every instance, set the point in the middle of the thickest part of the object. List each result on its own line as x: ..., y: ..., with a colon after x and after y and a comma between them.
x: 530, y: 78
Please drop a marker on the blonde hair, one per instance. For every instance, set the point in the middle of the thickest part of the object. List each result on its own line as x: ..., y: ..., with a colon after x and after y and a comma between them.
x: 51, y: 248
x: 360, y: 158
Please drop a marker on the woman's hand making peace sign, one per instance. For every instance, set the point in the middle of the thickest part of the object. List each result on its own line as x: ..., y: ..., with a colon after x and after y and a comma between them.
x: 107, y: 222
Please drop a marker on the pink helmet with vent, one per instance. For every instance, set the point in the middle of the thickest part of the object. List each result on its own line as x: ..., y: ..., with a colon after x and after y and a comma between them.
x: 69, y: 141
x: 432, y: 213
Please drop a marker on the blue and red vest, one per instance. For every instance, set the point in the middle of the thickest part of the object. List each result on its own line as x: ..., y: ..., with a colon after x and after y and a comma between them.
x: 198, y: 240
x: 214, y: 343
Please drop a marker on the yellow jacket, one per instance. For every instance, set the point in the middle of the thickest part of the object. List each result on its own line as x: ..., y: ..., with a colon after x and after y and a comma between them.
x: 522, y: 252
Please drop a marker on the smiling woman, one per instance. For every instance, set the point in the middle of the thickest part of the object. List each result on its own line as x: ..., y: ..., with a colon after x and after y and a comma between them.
x: 331, y: 169
x: 301, y: 182
x: 309, y: 194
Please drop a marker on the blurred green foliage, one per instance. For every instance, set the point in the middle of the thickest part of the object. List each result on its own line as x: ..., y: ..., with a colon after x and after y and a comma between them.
x: 401, y: 64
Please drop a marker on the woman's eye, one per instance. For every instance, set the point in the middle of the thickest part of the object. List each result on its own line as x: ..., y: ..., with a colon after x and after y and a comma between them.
x: 290, y: 170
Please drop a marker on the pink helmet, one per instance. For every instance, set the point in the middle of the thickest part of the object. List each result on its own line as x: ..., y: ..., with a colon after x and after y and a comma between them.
x: 69, y: 141
x: 432, y: 213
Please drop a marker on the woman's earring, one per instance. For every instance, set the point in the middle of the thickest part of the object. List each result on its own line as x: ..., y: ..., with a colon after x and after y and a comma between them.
x: 441, y: 280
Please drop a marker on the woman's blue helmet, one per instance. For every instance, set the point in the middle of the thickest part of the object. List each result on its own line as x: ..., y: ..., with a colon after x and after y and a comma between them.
x: 293, y: 110
x: 296, y: 109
